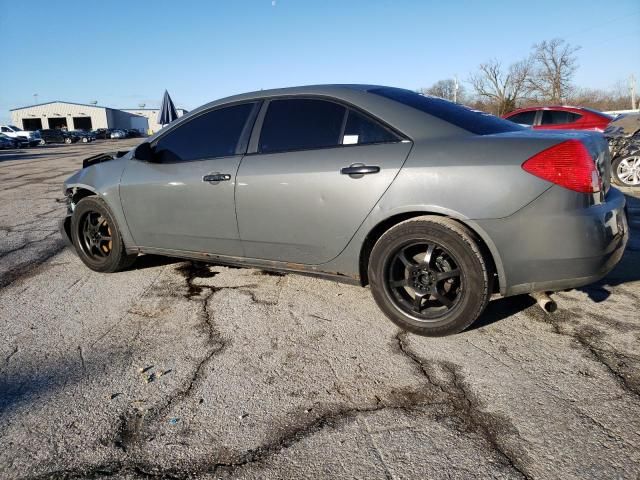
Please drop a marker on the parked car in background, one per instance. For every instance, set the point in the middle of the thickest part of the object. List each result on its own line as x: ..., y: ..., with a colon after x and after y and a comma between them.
x: 8, y: 142
x: 30, y: 139
x: 560, y: 118
x: 84, y: 136
x: 57, y: 136
x: 623, y: 134
x: 133, y: 133
x: 434, y: 205
x: 102, y: 133
x: 118, y: 134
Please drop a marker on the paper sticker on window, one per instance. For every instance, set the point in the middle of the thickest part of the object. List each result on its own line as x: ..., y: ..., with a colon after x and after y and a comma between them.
x: 350, y: 139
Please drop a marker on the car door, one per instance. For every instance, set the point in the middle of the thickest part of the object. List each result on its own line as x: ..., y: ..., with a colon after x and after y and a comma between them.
x: 314, y: 171
x: 184, y: 199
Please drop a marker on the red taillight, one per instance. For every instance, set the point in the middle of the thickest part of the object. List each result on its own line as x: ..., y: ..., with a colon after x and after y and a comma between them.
x: 567, y: 164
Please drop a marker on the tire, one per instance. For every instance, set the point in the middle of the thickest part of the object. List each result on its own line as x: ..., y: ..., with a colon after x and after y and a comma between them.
x: 90, y: 242
x: 67, y: 140
x: 626, y: 170
x: 453, y: 280
x: 85, y: 139
x: 42, y: 142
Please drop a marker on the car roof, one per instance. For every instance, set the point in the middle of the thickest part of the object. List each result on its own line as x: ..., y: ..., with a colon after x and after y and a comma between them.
x: 326, y: 89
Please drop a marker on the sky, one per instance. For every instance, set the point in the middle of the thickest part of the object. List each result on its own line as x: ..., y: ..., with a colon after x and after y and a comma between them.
x: 124, y: 53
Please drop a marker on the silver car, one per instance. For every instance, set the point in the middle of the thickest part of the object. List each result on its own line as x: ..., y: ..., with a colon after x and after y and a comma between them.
x: 433, y: 205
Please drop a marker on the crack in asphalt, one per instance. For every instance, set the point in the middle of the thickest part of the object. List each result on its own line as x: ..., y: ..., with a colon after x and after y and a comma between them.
x: 27, y: 244
x: 26, y: 269
x: 585, y: 337
x: 132, y: 423
x: 465, y: 407
x: 404, y: 401
x: 450, y: 395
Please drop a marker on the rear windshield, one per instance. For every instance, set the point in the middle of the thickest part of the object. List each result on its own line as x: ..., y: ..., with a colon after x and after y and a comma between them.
x: 598, y: 112
x: 463, y: 117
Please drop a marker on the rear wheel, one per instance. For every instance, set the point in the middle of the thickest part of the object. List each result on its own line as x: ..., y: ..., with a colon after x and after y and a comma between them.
x: 96, y: 237
x: 85, y: 139
x: 626, y: 170
x: 428, y: 276
x: 67, y: 140
x: 42, y: 142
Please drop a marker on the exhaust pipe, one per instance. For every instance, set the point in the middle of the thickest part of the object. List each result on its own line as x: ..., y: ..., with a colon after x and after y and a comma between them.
x: 545, y: 301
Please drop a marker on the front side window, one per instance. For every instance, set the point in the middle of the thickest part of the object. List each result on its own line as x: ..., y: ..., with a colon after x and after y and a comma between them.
x: 552, y: 117
x: 301, y: 124
x: 524, y: 118
x: 212, y: 134
x: 362, y: 130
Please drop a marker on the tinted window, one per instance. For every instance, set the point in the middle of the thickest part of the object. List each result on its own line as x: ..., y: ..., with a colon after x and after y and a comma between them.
x: 551, y: 117
x: 523, y: 118
x: 213, y: 134
x: 301, y: 124
x: 471, y: 120
x: 360, y: 129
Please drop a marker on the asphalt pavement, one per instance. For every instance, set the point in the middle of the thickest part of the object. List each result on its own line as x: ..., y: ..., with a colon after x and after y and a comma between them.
x: 175, y: 369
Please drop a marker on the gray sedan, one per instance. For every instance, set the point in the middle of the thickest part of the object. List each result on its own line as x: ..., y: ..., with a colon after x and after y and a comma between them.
x: 433, y: 205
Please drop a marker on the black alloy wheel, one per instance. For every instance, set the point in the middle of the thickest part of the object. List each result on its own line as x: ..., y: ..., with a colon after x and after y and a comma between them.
x: 96, y: 240
x: 424, y: 280
x: 96, y: 237
x: 430, y: 275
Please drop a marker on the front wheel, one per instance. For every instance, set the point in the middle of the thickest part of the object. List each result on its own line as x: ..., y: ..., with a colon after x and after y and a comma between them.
x: 626, y: 170
x: 42, y: 142
x: 429, y: 276
x: 96, y: 237
x: 85, y: 139
x: 67, y: 140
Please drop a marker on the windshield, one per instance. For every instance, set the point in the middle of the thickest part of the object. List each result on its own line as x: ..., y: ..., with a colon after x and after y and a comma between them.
x: 14, y: 128
x: 474, y: 121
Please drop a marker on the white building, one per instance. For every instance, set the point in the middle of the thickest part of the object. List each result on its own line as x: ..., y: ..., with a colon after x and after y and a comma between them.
x: 151, y: 114
x: 79, y: 116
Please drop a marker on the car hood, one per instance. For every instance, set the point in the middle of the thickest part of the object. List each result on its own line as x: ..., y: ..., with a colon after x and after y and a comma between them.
x: 626, y: 125
x: 103, y: 157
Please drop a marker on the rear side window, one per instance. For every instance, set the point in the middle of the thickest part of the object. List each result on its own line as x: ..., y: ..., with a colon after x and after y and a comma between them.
x: 523, y: 118
x: 362, y: 130
x: 300, y: 124
x: 551, y: 117
x: 210, y: 135
x: 473, y: 121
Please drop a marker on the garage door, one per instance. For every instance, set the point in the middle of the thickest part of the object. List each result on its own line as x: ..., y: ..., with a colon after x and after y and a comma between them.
x: 82, y: 123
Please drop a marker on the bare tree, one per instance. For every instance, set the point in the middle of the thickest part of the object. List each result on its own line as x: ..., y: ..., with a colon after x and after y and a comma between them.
x: 502, y: 89
x: 445, y: 89
x: 555, y: 63
x: 613, y: 99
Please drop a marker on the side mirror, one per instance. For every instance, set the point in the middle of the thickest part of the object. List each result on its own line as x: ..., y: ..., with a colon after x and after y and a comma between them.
x: 144, y: 152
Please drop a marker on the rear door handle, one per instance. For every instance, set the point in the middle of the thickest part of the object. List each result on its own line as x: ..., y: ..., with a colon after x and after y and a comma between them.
x: 216, y: 177
x: 360, y: 169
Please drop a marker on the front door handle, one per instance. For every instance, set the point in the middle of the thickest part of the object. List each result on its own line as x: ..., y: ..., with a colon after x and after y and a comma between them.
x: 360, y: 169
x: 216, y: 177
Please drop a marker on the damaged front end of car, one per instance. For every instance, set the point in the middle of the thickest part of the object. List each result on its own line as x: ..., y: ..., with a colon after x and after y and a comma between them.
x: 83, y: 183
x: 623, y: 135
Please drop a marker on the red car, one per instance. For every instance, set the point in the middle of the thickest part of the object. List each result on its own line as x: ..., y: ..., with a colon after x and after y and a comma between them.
x: 560, y: 118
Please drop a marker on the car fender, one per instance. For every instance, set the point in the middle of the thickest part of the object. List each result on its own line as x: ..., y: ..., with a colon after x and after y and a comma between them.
x: 103, y: 180
x: 349, y: 259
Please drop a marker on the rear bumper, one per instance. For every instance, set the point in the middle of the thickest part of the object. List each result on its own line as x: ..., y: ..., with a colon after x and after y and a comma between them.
x: 559, y: 242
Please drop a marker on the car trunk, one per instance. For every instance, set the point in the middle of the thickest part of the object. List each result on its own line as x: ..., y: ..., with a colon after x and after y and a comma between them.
x: 599, y: 150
